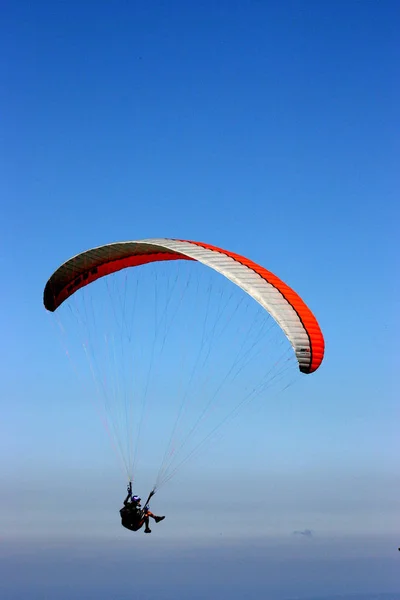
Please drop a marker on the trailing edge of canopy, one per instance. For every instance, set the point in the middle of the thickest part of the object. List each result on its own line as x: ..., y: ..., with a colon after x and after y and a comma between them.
x: 285, y: 306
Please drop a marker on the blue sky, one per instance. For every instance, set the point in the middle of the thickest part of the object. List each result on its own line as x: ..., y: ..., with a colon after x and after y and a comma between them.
x: 265, y: 128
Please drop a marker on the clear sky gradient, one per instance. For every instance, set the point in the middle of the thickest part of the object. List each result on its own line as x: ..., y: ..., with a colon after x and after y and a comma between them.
x: 267, y: 128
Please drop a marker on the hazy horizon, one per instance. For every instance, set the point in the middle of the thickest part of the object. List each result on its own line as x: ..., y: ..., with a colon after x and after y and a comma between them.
x: 137, y: 566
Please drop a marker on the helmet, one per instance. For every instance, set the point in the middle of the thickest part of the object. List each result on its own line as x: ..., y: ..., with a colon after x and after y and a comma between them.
x: 136, y: 499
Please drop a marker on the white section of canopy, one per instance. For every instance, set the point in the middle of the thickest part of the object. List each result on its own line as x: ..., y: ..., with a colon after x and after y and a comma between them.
x: 252, y: 283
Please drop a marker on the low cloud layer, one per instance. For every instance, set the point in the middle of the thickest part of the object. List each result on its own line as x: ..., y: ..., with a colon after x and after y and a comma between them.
x: 305, y: 533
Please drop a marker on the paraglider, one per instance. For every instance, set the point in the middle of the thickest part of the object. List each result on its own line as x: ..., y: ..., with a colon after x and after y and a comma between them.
x: 133, y: 516
x: 222, y: 377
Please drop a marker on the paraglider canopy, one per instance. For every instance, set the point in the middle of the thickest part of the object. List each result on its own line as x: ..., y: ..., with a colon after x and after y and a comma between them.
x: 283, y: 303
